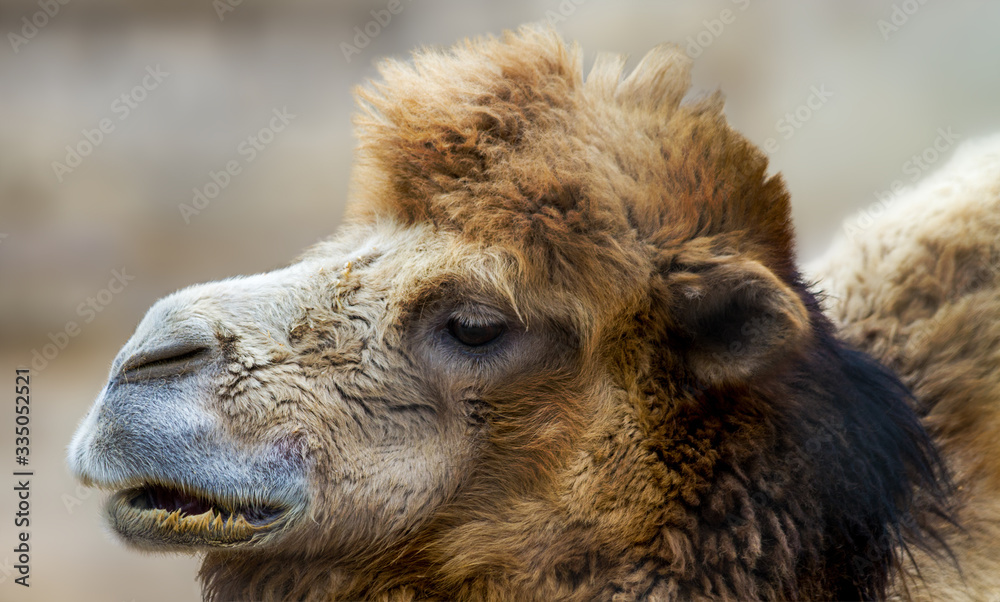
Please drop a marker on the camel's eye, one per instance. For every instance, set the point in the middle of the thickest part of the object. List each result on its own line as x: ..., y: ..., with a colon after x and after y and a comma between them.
x: 474, y: 335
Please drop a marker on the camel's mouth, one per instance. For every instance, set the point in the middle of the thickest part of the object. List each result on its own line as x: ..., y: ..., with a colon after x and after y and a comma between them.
x: 155, y: 515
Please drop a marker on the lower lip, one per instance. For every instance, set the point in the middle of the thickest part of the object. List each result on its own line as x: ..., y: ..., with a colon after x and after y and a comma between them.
x: 158, y: 527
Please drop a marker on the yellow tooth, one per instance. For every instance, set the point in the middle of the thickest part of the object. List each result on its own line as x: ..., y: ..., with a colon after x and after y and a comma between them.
x: 170, y: 520
x: 200, y: 522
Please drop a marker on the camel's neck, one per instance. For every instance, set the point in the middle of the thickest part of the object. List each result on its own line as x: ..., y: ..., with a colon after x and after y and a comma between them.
x: 262, y: 577
x: 226, y: 576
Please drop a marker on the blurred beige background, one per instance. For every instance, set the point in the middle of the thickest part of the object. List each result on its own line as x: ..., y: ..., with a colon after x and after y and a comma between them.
x: 864, y: 97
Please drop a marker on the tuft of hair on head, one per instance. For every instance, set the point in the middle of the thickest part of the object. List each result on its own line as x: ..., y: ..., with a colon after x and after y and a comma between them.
x: 656, y: 85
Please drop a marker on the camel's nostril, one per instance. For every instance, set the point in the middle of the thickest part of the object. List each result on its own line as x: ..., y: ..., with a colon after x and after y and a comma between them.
x: 171, y: 360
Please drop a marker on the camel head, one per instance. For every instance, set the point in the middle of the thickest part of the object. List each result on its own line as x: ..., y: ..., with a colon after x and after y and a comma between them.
x: 562, y: 318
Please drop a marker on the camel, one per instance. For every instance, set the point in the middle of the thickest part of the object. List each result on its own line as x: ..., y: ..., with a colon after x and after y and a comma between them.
x: 559, y: 350
x: 918, y: 290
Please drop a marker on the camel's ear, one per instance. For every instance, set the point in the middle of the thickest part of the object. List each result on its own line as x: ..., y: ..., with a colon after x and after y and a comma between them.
x: 735, y: 318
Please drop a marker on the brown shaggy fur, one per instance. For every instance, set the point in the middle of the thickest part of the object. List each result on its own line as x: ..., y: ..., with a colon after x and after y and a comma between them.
x: 667, y: 451
x: 666, y: 414
x: 919, y: 288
